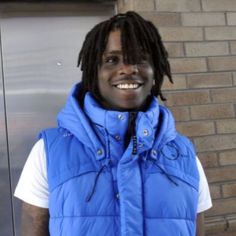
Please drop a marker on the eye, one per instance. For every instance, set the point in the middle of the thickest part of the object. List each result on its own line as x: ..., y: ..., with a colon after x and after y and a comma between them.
x: 144, y: 59
x: 111, y: 60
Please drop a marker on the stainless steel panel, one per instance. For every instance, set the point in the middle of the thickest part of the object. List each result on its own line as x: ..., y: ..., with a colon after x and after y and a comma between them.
x: 6, y: 224
x: 40, y: 57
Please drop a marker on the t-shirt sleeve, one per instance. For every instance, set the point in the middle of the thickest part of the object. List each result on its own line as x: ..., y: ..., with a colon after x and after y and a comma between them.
x: 32, y: 186
x: 204, y: 198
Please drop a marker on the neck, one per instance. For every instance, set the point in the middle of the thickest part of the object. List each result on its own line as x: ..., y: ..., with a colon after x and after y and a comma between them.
x: 108, y: 106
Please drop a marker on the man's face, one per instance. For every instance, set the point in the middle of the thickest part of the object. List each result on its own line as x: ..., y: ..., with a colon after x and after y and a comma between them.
x: 123, y: 86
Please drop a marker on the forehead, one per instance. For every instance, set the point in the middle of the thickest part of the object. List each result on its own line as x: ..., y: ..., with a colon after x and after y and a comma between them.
x: 130, y: 47
x: 113, y: 42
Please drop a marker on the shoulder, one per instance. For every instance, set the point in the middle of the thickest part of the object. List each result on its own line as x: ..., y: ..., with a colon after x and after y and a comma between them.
x: 32, y: 186
x: 52, y: 138
x: 182, y: 145
x: 49, y: 134
x: 184, y: 140
x: 204, y: 199
x: 179, y: 158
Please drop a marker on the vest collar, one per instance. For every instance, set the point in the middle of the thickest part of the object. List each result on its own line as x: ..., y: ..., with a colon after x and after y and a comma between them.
x: 116, y: 123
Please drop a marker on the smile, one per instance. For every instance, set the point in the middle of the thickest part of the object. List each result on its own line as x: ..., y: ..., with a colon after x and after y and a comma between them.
x: 128, y: 86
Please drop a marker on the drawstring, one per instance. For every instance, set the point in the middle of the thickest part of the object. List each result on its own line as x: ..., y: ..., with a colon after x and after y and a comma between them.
x: 90, y: 195
x: 166, y: 174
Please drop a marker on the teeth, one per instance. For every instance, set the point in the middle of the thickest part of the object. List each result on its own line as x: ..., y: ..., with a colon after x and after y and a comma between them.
x: 127, y: 86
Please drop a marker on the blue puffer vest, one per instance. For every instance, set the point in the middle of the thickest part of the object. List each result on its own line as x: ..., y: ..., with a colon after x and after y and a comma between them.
x: 98, y: 187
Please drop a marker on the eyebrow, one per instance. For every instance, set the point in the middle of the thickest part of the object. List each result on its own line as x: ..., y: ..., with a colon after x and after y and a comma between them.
x: 116, y: 52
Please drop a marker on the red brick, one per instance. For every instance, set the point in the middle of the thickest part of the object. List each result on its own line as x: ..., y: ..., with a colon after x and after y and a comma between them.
x: 196, y: 128
x: 222, y: 207
x: 180, y: 113
x: 221, y: 226
x: 187, y: 98
x: 124, y: 6
x: 219, y: 5
x: 185, y: 65
x: 216, y: 142
x: 232, y: 222
x: 208, y: 159
x: 215, y: 225
x: 179, y: 83
x: 223, y: 233
x: 229, y: 190
x: 224, y: 95
x: 206, y: 49
x: 215, y: 191
x: 222, y: 63
x: 221, y: 33
x: 213, y: 111
x: 221, y: 174
x: 162, y: 19
x: 139, y: 5
x: 208, y: 80
x: 231, y: 18
x: 176, y: 34
x: 227, y: 158
x: 226, y: 126
x: 177, y: 6
x: 203, y: 19
x: 175, y: 49
x: 136, y: 5
x: 233, y: 47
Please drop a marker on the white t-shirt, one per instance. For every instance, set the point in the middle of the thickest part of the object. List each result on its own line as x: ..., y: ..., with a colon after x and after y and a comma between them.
x: 33, y: 185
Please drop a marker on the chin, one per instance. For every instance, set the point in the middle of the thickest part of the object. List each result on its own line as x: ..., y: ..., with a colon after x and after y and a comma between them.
x: 130, y: 107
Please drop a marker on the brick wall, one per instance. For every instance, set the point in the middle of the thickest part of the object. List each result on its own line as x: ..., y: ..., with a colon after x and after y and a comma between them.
x: 200, y: 36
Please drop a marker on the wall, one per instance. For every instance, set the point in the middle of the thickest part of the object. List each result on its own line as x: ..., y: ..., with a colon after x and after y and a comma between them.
x: 200, y: 36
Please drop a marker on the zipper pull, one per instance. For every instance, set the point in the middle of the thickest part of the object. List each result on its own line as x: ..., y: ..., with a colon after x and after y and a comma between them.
x: 134, y: 138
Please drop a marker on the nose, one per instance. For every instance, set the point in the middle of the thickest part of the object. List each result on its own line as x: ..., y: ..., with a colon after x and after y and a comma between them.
x: 128, y: 69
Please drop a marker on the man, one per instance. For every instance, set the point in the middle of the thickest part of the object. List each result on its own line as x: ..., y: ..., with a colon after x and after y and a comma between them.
x: 115, y: 165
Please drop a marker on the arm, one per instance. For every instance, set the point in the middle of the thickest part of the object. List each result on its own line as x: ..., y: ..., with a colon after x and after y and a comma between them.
x: 34, y: 220
x: 200, y: 225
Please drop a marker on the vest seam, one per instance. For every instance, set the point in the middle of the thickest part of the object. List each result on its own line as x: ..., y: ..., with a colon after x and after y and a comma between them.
x: 169, y: 218
x: 59, y: 217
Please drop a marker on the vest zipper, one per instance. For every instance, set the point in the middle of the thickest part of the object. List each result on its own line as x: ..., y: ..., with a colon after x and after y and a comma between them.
x: 131, y: 132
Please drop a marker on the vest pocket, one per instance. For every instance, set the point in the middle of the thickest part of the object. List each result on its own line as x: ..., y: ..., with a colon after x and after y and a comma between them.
x: 69, y: 196
x: 169, y: 199
x: 69, y: 172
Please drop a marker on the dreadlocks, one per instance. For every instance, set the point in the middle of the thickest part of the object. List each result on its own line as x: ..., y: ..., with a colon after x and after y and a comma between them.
x: 137, y: 35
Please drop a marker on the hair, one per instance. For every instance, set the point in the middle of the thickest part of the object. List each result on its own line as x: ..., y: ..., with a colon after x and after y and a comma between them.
x: 137, y: 35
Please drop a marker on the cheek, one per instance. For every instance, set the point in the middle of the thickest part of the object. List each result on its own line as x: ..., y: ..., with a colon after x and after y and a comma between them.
x: 103, y: 83
x: 101, y: 79
x: 104, y: 75
x: 146, y: 70
x: 150, y: 72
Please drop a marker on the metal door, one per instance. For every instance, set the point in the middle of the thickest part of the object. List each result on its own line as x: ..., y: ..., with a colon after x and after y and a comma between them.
x: 39, y: 57
x: 6, y: 222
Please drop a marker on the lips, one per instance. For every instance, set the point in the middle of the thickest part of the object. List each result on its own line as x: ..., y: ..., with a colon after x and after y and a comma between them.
x: 128, y: 86
x: 128, y: 83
